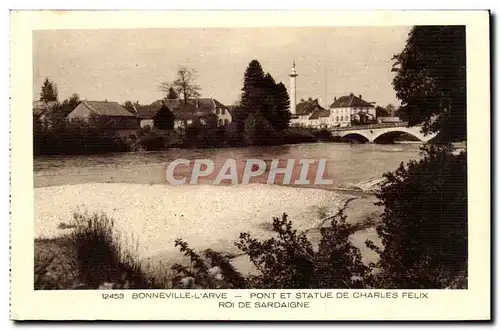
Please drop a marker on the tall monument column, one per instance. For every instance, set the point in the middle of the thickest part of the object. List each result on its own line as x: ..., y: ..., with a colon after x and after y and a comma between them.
x: 293, y: 90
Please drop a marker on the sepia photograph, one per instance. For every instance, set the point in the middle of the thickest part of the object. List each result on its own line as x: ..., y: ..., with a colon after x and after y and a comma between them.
x: 250, y: 165
x: 172, y: 158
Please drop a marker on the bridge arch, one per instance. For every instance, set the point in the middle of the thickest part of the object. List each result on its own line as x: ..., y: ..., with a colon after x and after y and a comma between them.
x: 356, y: 136
x: 388, y: 135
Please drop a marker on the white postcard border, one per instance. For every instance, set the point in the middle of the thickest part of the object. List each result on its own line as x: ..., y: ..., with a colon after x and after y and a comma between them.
x: 26, y: 303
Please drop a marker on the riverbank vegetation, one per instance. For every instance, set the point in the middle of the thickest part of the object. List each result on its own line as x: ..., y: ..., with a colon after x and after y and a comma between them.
x: 98, y: 135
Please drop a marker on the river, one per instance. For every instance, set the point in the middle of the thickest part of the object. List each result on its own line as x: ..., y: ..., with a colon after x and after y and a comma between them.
x: 345, y: 163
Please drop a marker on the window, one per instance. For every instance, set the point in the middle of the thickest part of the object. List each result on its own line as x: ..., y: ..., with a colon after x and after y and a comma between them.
x: 226, y: 121
x: 217, y: 111
x: 223, y: 111
x: 221, y: 122
x: 337, y: 118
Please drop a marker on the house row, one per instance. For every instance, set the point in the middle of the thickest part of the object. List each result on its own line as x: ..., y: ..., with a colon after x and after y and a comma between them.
x: 158, y: 114
x: 344, y: 111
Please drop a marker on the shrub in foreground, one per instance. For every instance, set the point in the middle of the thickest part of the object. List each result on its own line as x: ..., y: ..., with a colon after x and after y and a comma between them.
x: 101, y: 256
x: 287, y: 260
x: 424, y: 225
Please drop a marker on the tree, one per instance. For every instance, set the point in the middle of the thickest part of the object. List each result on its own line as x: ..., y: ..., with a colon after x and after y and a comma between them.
x: 391, y: 109
x: 282, y: 102
x: 401, y: 114
x: 131, y: 106
x: 430, y: 80
x: 172, y: 95
x: 184, y: 84
x: 253, y: 85
x: 262, y: 94
x: 70, y: 103
x: 424, y: 225
x: 381, y: 112
x: 49, y: 91
x: 258, y: 131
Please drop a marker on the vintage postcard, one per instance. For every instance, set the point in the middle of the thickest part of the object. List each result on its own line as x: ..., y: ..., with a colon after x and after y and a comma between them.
x: 246, y: 165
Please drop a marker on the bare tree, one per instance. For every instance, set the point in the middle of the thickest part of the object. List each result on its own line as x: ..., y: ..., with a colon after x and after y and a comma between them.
x: 184, y: 85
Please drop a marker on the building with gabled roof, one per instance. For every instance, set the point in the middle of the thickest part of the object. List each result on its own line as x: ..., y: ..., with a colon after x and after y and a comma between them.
x: 351, y: 108
x: 195, y: 109
x: 309, y: 113
x: 156, y: 115
x: 114, y: 112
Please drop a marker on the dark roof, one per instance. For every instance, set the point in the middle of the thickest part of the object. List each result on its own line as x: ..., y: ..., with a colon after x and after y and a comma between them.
x: 307, y: 107
x: 311, y: 107
x: 106, y: 108
x: 350, y: 101
x: 302, y: 109
x: 319, y: 112
x: 194, y: 107
x: 146, y: 111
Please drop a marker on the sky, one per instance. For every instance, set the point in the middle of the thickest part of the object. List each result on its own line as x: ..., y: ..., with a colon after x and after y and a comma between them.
x: 129, y: 64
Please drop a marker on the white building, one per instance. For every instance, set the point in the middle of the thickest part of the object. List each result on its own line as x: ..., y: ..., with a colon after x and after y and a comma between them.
x: 350, y: 109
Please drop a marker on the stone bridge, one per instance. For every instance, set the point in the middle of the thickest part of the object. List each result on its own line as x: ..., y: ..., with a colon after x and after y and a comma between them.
x: 380, y: 133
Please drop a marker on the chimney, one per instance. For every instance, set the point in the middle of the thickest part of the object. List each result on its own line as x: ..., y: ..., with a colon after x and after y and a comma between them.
x: 334, y: 98
x: 360, y: 96
x: 352, y: 94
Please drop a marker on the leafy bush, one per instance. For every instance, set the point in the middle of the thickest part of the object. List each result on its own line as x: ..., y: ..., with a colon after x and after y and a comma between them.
x: 285, y: 261
x: 299, y: 135
x: 204, y: 135
x: 210, y: 271
x: 150, y: 140
x: 258, y: 131
x: 59, y: 136
x: 424, y: 225
x: 323, y: 135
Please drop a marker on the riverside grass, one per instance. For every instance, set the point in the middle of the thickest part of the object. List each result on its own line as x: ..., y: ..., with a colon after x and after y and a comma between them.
x: 93, y: 256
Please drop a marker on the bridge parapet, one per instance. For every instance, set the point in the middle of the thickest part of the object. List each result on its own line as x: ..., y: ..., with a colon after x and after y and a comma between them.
x: 370, y: 126
x: 384, y: 131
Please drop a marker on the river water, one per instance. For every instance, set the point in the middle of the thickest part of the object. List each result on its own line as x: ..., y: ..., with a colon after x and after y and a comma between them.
x: 345, y: 163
